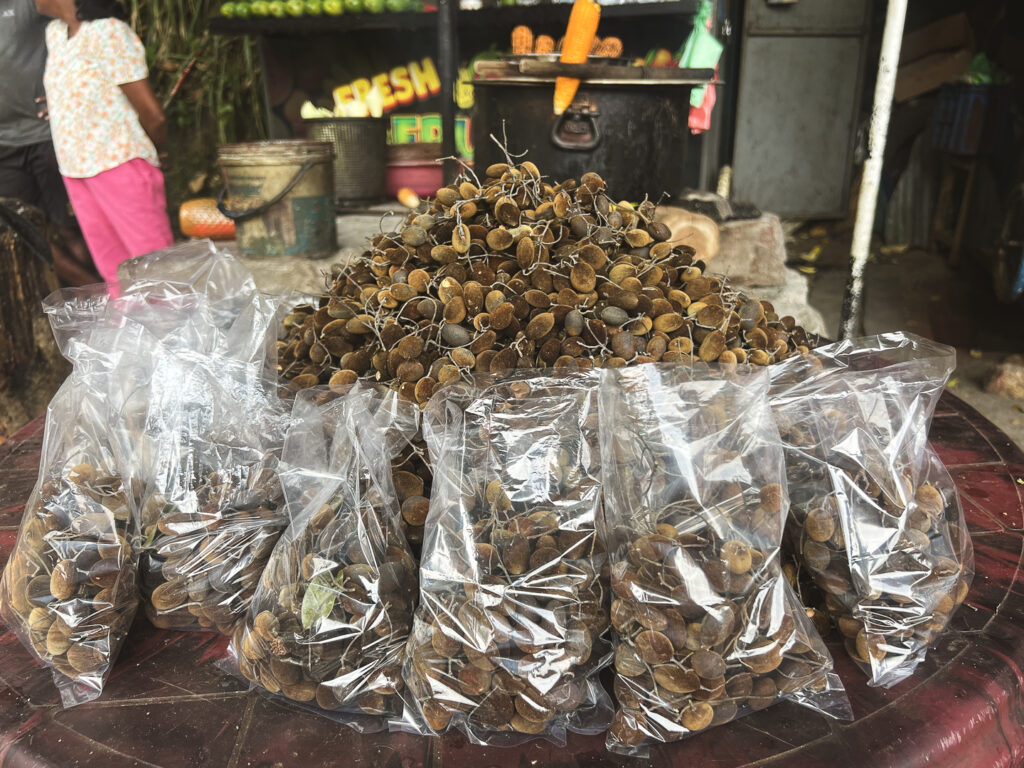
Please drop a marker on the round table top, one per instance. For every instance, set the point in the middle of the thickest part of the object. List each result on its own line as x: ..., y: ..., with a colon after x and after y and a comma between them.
x: 167, y: 704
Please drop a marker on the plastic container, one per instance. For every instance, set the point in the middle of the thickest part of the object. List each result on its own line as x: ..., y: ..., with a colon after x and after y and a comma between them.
x: 422, y: 178
x: 416, y: 166
x: 970, y: 119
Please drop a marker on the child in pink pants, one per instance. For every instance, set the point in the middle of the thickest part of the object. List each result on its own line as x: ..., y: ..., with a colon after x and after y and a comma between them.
x: 106, y: 125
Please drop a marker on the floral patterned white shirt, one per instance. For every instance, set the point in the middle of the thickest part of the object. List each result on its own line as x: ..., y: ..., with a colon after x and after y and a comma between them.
x: 94, y: 126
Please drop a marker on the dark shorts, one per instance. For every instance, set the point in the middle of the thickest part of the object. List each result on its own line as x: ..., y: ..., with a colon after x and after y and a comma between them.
x: 31, y: 174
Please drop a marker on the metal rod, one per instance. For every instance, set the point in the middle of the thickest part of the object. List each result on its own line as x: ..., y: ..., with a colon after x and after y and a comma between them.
x: 448, y: 62
x: 853, y: 302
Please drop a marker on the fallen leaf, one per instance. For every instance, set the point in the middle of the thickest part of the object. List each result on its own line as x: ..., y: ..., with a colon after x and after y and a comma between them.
x: 976, y: 354
x: 953, y: 382
x: 318, y: 601
x: 813, y: 254
x: 894, y: 250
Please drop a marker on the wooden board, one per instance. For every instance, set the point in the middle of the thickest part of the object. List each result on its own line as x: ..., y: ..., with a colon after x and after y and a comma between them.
x: 948, y: 34
x: 603, y: 72
x: 929, y: 73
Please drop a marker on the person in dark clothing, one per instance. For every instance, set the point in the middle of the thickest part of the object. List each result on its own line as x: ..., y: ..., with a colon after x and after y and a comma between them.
x: 28, y: 165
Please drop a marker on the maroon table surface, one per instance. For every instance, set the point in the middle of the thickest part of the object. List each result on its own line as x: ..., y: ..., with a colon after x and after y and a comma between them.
x: 167, y: 704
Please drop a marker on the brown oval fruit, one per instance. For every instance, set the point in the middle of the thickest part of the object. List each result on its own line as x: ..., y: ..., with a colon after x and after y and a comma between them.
x: 697, y: 716
x: 708, y: 664
x: 583, y: 277
x: 712, y: 346
x: 86, y: 658
x: 627, y: 662
x: 820, y: 525
x: 676, y: 679
x: 653, y: 647
x: 64, y: 580
x: 169, y: 596
x: 541, y: 325
x: 763, y: 694
x: 771, y: 497
x: 737, y: 556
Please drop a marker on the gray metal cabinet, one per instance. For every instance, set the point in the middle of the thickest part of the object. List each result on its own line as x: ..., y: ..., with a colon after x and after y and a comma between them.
x: 805, y: 17
x: 801, y: 75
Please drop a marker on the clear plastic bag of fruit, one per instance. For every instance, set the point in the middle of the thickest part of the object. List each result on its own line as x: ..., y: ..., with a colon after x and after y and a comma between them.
x: 69, y: 590
x: 875, y: 516
x: 212, y: 507
x: 511, y: 632
x: 206, y: 427
x: 330, y: 620
x: 220, y: 311
x: 706, y: 627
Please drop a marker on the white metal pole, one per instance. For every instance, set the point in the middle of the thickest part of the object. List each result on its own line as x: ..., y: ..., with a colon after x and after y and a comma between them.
x: 888, y: 62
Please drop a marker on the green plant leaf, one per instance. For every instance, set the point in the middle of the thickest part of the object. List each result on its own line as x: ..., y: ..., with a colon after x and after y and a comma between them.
x: 318, y: 601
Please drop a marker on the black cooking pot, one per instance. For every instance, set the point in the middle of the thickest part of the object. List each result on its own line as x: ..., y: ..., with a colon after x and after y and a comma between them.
x: 633, y: 134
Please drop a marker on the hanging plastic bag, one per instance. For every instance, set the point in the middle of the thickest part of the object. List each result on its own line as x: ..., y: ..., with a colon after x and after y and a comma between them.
x: 876, y: 518
x: 510, y: 635
x: 701, y: 50
x: 330, y: 620
x: 707, y: 629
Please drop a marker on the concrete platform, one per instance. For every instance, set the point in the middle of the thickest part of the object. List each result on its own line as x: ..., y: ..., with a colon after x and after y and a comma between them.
x: 309, y: 276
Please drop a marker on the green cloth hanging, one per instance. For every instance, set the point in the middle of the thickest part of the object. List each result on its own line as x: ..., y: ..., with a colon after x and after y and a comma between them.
x: 701, y: 49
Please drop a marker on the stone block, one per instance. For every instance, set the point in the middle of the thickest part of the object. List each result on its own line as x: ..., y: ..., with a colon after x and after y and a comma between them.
x: 1007, y: 378
x: 752, y: 252
x: 790, y: 298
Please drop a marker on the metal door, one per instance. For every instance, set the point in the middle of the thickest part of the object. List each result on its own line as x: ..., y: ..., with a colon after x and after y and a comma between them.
x: 800, y: 85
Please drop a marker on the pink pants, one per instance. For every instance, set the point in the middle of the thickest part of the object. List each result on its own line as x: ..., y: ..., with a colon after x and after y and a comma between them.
x: 122, y: 213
